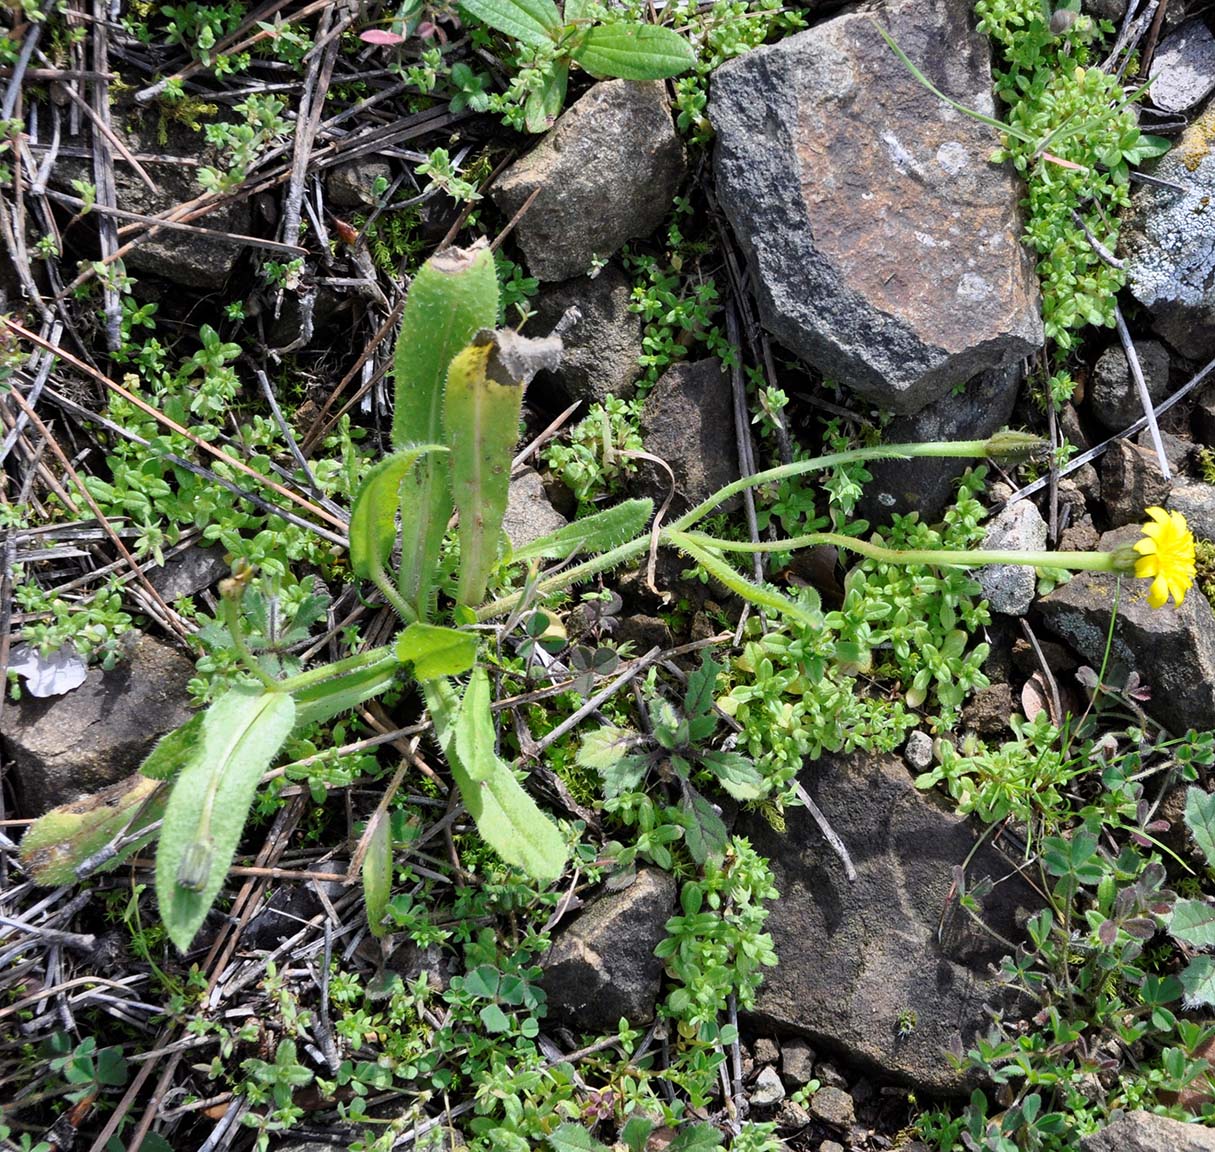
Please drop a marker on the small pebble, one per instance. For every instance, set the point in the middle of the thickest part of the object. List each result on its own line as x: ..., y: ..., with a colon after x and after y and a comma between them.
x: 918, y: 750
x: 790, y: 1115
x: 768, y: 1089
x: 797, y: 1062
x: 766, y: 1051
x: 833, y: 1106
x: 829, y: 1075
x: 830, y: 1146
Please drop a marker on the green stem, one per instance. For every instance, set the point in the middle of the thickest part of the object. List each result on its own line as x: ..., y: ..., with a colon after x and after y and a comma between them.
x: 380, y: 579
x: 937, y: 449
x: 236, y: 631
x: 971, y: 558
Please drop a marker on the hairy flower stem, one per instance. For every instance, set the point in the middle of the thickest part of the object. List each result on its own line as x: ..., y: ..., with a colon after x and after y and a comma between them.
x: 971, y: 558
x: 962, y: 449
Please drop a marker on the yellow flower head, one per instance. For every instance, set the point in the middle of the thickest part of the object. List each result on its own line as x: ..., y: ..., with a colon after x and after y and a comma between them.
x: 1166, y: 556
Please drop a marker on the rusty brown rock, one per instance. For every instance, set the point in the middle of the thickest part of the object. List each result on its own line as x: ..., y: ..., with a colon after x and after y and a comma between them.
x: 883, y: 243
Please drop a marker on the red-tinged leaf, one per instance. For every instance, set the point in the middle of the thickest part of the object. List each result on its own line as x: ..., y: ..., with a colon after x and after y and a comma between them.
x: 381, y: 36
x: 1107, y: 933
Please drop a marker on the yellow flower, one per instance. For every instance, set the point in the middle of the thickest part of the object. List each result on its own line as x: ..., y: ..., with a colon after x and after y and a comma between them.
x: 1166, y: 556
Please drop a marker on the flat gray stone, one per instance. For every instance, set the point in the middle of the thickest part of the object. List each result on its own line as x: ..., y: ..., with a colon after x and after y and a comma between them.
x: 606, y: 172
x: 1147, y: 1132
x: 688, y: 421
x: 603, y: 966
x: 1009, y: 588
x: 883, y: 244
x: 1183, y: 68
x: 1131, y: 481
x: 1196, y: 502
x: 857, y: 958
x: 833, y: 1106
x: 1113, y: 397
x: 768, y: 1089
x: 602, y: 351
x: 928, y: 487
x: 63, y: 747
x: 529, y: 515
x: 1172, y: 648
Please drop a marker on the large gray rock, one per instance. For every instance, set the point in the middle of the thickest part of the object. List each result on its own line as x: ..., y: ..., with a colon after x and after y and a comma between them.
x: 1009, y: 588
x: 1113, y: 397
x: 688, y: 421
x: 861, y: 961
x: 884, y: 245
x: 928, y: 486
x: 1169, y: 241
x: 66, y: 746
x: 1147, y: 1132
x: 602, y: 351
x: 606, y: 172
x: 1172, y: 648
x: 603, y: 966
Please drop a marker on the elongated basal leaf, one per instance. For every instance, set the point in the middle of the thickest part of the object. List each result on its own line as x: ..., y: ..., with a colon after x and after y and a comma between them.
x: 528, y: 21
x: 453, y: 296
x: 592, y: 534
x: 60, y: 841
x: 634, y: 52
x: 508, y: 818
x: 351, y: 682
x: 474, y: 729
x: 241, y: 734
x: 481, y: 409
x: 377, y: 873
x: 373, y: 516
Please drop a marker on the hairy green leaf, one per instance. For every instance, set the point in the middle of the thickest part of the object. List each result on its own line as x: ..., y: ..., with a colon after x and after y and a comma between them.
x: 56, y: 845
x: 452, y: 297
x: 702, y: 684
x: 1200, y: 819
x: 373, y: 515
x: 1193, y: 922
x: 476, y: 744
x: 508, y: 818
x: 592, y: 534
x: 634, y: 52
x: 574, y: 1138
x: 735, y: 773
x: 377, y: 873
x: 173, y: 750
x: 481, y: 409
x: 528, y: 21
x: 696, y: 1138
x: 351, y: 682
x: 241, y: 734
x: 435, y: 651
x: 544, y: 105
x: 704, y: 831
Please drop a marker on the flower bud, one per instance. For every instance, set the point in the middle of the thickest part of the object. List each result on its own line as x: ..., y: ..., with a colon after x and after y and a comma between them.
x: 1123, y: 560
x: 194, y: 868
x: 1010, y: 447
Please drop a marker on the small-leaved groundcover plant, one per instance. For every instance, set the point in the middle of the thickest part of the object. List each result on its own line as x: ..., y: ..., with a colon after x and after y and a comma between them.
x: 458, y: 395
x: 620, y: 48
